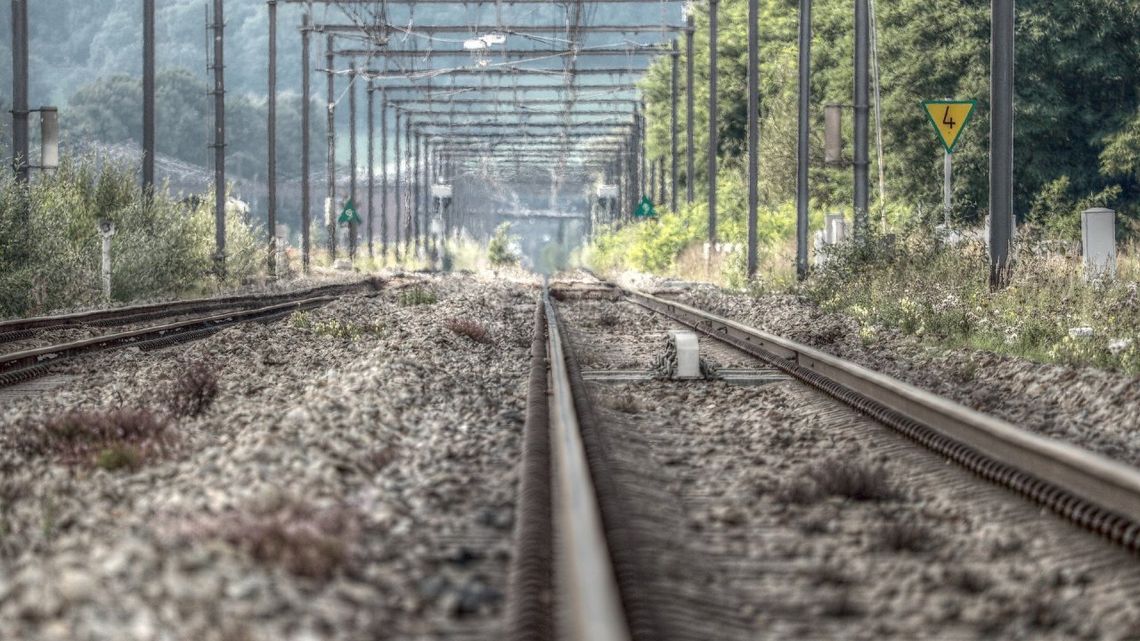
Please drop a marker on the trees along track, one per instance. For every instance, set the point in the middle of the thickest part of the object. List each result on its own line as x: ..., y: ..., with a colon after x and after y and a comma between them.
x: 592, y: 578
x: 16, y: 367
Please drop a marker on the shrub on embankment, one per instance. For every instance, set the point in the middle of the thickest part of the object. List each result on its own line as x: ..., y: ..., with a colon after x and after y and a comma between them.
x: 50, y: 249
x: 673, y: 243
x: 912, y: 282
x: 921, y: 287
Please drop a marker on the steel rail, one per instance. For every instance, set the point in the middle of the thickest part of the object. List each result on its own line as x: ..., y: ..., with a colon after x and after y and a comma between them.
x: 531, y: 582
x: 1086, y: 488
x: 57, y: 353
x: 22, y: 328
x: 583, y: 558
x: 22, y: 366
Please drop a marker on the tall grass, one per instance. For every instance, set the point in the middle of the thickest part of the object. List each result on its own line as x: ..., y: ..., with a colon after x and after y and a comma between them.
x: 50, y: 249
x: 909, y: 281
x: 921, y: 287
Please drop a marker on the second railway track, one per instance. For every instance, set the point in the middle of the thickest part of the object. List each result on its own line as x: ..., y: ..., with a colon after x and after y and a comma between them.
x: 773, y: 503
x: 197, y: 318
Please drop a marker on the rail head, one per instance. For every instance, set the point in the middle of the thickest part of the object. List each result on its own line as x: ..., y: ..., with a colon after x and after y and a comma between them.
x: 1091, y: 476
x: 178, y: 306
x: 33, y: 356
x: 583, y: 558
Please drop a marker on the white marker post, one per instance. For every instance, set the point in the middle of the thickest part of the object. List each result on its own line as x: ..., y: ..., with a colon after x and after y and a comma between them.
x: 1098, y: 242
x: 106, y: 231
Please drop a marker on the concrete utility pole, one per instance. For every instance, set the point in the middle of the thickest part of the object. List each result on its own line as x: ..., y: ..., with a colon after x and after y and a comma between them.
x: 410, y: 237
x: 803, y: 149
x: 429, y: 204
x: 661, y: 181
x: 862, y: 117
x: 676, y: 87
x: 652, y: 179
x: 415, y: 178
x: 148, y: 97
x: 371, y: 165
x: 352, y: 226
x: 690, y: 161
x: 631, y: 182
x: 425, y: 191
x: 399, y: 188
x: 644, y: 175
x: 306, y: 104
x: 20, y: 135
x: 753, y: 132
x: 384, y: 174
x: 1001, y: 138
x: 430, y: 168
x: 623, y: 179
x: 271, y: 130
x: 713, y: 144
x: 219, y: 141
x: 425, y: 201
x: 330, y: 141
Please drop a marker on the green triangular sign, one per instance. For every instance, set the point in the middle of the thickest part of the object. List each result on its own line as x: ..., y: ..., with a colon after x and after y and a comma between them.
x: 349, y: 215
x: 645, y: 209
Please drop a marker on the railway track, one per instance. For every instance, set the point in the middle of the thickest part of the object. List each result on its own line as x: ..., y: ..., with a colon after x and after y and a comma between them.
x: 21, y: 329
x: 584, y: 568
x: 206, y: 317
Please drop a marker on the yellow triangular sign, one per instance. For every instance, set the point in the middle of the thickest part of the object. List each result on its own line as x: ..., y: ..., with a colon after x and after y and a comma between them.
x: 949, y: 118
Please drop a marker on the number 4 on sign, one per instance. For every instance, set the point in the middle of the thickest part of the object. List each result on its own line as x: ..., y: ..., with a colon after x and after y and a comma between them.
x: 949, y: 119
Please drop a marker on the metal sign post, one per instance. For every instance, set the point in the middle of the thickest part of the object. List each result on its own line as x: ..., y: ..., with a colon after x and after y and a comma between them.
x: 803, y: 140
x: 947, y: 194
x: 1003, y: 18
x: 713, y: 143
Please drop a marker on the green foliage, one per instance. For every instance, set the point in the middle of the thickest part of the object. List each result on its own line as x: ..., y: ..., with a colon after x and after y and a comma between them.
x: 1059, y: 214
x: 417, y: 296
x: 336, y: 328
x: 106, y: 110
x: 920, y: 287
x: 50, y: 249
x: 1073, y: 118
x: 500, y: 250
x: 119, y: 457
x: 661, y: 245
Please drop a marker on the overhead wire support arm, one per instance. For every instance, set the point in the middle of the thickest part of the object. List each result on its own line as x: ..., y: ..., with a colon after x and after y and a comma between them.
x: 454, y: 89
x: 428, y: 30
x: 467, y: 2
x: 641, y: 50
x: 517, y: 114
x: 512, y: 70
x: 628, y: 102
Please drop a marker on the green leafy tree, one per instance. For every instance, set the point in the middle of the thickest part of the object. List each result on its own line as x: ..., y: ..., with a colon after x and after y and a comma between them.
x: 50, y: 248
x: 500, y: 250
x: 1076, y: 115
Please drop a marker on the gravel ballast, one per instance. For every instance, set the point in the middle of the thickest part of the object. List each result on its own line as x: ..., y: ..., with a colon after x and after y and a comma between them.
x: 1094, y: 409
x: 352, y: 479
x: 774, y: 512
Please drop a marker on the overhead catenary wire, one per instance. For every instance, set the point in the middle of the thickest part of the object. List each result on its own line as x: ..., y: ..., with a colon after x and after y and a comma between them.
x: 568, y: 41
